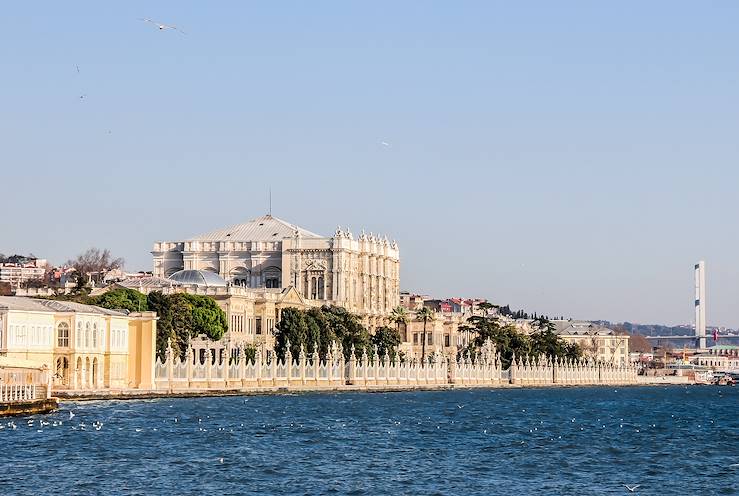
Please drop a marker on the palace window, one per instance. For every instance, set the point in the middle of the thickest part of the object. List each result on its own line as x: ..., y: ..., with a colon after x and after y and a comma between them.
x: 431, y: 339
x: 415, y: 338
x: 62, y: 335
x: 321, y: 290
x: 272, y: 277
x: 259, y: 325
x: 447, y: 340
x: 87, y: 335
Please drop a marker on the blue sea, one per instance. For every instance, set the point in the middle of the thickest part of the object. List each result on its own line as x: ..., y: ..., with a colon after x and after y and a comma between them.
x: 668, y: 440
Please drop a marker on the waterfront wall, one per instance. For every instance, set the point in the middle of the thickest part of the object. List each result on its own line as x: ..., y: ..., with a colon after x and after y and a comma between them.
x: 308, y: 371
x: 23, y: 384
x: 24, y: 389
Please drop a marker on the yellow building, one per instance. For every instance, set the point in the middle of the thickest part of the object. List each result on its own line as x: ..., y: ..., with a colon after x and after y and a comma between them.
x: 86, y: 347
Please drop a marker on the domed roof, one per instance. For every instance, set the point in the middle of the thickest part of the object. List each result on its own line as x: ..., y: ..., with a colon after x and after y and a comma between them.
x: 199, y: 278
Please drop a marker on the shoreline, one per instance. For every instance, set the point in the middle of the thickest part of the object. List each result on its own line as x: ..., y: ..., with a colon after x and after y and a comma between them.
x: 116, y: 395
x: 33, y: 407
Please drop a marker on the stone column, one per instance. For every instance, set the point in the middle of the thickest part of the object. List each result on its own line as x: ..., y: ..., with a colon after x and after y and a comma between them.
x: 168, y: 356
x: 301, y: 362
x: 273, y: 370
x: 288, y: 363
x: 514, y: 370
x: 242, y: 365
x: 352, y: 367
x: 190, y: 358
x: 376, y: 364
x: 208, y: 365
x: 46, y: 375
x: 386, y: 364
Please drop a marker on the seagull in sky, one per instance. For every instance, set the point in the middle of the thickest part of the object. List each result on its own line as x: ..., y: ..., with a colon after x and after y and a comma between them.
x: 385, y: 143
x: 162, y: 27
x: 631, y: 488
x: 78, y: 68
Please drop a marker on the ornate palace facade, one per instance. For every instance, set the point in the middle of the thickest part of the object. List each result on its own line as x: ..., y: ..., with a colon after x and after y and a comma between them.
x: 360, y: 274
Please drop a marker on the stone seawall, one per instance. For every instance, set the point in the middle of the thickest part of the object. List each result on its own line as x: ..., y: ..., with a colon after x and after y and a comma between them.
x: 138, y: 394
x: 29, y: 407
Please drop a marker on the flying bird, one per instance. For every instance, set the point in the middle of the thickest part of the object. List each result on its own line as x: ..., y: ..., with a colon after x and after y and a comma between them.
x: 78, y: 68
x: 162, y: 27
x: 631, y: 488
x: 384, y: 143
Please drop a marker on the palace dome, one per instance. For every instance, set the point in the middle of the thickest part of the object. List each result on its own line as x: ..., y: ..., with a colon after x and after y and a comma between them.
x: 203, y: 278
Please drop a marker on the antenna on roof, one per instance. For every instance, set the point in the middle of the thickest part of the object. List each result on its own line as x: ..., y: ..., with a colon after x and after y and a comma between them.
x: 270, y: 201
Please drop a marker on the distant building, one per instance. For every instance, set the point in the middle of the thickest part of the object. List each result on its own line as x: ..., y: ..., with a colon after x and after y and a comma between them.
x: 19, y: 273
x: 411, y: 301
x: 596, y: 341
x: 720, y: 358
x: 446, y: 332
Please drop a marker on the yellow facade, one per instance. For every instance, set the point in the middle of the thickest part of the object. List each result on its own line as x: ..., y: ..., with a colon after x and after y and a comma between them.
x: 85, y: 347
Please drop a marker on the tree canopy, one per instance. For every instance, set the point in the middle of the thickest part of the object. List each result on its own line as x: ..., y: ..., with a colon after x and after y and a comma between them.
x: 321, y: 326
x: 508, y: 340
x: 181, y: 315
x: 121, y: 299
x: 387, y: 341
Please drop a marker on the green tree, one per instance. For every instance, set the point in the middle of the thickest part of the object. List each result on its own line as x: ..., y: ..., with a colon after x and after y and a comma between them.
x: 425, y: 315
x: 121, y: 299
x: 291, y: 328
x: 183, y: 316
x: 509, y: 341
x: 485, y: 307
x: 387, y: 341
x: 348, y: 330
x: 321, y: 326
x: 398, y: 316
x: 207, y: 316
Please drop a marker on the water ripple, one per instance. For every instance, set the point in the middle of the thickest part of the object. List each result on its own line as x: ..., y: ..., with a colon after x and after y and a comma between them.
x: 671, y: 440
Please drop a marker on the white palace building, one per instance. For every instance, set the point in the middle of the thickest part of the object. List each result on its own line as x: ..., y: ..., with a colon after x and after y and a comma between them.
x: 361, y: 274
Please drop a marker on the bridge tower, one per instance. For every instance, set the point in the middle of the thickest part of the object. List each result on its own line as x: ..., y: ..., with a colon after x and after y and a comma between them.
x: 700, y: 304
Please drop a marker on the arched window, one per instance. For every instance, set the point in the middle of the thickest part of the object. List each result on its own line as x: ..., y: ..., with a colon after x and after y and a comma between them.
x: 95, y: 337
x: 313, y: 288
x: 87, y: 335
x: 321, y: 291
x: 78, y: 335
x: 62, y: 335
x: 272, y: 277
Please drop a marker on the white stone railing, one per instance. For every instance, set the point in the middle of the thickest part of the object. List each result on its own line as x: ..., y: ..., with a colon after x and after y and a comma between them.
x: 534, y: 371
x: 484, y: 369
x: 20, y: 384
x: 12, y: 393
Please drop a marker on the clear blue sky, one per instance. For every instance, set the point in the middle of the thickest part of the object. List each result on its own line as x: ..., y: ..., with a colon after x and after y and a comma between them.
x: 557, y: 156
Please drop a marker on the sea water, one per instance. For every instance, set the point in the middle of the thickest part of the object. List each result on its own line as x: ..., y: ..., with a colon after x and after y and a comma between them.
x: 668, y: 440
